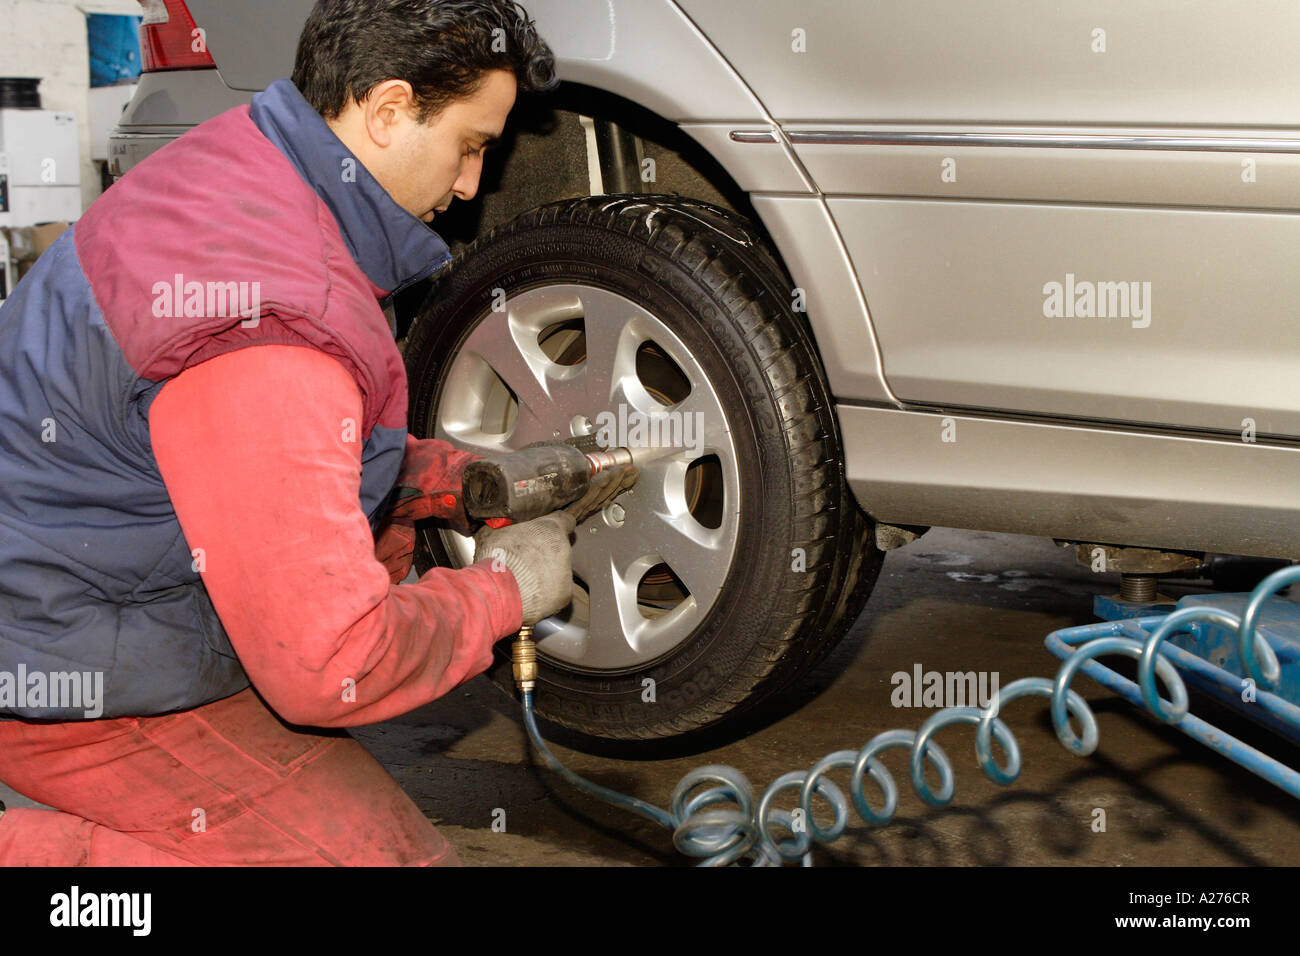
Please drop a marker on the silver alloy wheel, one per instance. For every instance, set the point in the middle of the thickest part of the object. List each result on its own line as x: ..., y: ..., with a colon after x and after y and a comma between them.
x: 564, y: 360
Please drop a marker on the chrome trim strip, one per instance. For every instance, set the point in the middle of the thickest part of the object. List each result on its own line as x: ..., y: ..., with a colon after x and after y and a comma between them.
x: 753, y: 136
x: 1040, y: 140
x: 1220, y: 144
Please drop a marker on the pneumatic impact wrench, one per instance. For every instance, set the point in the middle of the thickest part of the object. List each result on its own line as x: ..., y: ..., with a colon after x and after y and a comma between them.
x: 544, y: 477
x: 518, y: 486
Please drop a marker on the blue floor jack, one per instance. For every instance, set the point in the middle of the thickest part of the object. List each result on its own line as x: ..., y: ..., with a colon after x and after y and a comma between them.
x: 1241, y: 649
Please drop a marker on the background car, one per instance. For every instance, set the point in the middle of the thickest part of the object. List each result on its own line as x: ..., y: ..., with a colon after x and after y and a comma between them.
x: 1017, y: 267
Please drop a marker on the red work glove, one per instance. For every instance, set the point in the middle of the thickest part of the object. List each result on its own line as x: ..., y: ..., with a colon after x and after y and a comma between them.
x: 428, y: 486
x: 395, y: 548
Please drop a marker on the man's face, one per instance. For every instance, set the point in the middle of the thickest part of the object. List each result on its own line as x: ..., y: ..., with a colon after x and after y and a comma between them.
x: 424, y: 166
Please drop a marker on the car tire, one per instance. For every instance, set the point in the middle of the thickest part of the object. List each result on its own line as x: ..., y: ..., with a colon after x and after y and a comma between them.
x: 790, y: 558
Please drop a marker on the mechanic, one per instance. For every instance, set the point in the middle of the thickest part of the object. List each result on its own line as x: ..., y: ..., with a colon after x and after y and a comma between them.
x: 190, y: 492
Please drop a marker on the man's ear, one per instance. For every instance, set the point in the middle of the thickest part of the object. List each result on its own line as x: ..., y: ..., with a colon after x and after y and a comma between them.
x: 388, y: 107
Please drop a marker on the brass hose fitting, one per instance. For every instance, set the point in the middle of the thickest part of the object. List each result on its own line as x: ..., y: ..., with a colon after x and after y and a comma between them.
x: 523, y: 659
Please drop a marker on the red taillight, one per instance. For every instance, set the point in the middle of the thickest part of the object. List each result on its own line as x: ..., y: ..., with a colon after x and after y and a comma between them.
x: 170, y: 39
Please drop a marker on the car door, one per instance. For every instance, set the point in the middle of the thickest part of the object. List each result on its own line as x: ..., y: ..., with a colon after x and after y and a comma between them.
x: 1064, y: 210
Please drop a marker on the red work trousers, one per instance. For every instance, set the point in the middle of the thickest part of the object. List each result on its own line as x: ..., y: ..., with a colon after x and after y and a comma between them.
x: 225, y: 784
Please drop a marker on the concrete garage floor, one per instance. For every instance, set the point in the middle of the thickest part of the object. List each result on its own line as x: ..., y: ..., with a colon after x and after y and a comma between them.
x: 951, y: 601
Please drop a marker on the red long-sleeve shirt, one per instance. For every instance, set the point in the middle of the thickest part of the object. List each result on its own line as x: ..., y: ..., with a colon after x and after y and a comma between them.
x: 255, y: 449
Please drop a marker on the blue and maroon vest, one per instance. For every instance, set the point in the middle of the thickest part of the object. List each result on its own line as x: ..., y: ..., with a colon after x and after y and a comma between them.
x: 95, y: 573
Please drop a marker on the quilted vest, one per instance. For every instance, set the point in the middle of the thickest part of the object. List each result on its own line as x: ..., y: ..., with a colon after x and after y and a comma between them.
x: 256, y: 227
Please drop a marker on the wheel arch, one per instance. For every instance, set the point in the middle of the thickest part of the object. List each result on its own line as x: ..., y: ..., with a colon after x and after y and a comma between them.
x: 544, y: 157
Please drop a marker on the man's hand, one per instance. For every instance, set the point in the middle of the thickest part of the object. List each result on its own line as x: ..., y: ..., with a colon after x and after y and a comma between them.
x: 603, y: 489
x: 395, y: 548
x: 429, y: 484
x: 537, y: 553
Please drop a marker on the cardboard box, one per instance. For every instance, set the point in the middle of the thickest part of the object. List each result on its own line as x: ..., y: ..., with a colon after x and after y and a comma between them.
x: 22, y: 243
x: 46, y: 234
x: 26, y: 243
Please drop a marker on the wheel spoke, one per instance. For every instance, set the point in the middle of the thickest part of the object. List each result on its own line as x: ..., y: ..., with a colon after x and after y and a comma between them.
x: 616, y: 623
x: 708, y: 425
x: 477, y: 442
x: 613, y: 336
x: 662, y: 526
x: 507, y: 349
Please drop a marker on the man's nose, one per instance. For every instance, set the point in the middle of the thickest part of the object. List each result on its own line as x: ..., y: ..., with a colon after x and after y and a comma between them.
x: 467, y: 185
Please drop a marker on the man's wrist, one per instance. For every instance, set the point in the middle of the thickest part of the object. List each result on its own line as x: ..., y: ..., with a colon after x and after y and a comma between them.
x: 507, y: 612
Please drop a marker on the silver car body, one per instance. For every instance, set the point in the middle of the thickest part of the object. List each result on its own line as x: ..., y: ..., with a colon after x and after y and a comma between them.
x: 1048, y: 252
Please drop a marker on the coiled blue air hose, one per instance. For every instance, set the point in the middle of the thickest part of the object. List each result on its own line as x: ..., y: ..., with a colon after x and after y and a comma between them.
x: 725, y: 835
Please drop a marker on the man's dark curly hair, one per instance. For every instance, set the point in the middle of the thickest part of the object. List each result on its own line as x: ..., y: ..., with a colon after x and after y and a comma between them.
x: 441, y: 47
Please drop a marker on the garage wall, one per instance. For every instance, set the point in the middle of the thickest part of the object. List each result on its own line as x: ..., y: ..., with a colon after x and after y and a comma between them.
x: 47, y: 38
